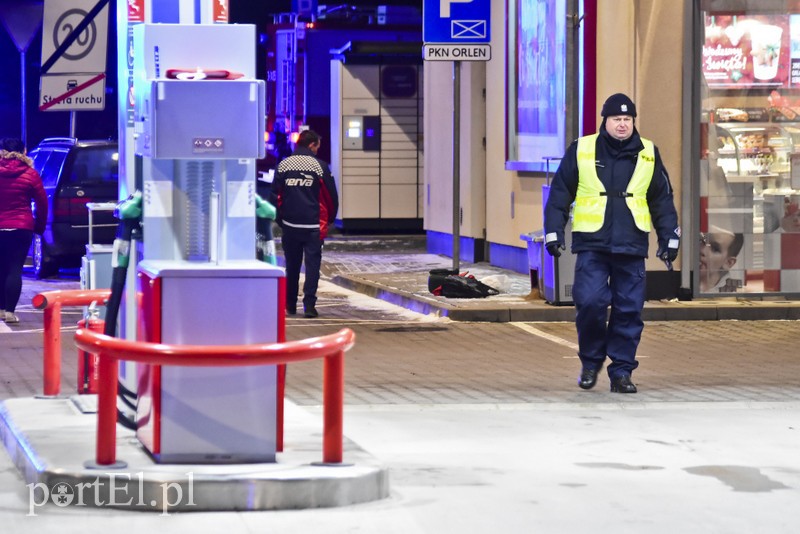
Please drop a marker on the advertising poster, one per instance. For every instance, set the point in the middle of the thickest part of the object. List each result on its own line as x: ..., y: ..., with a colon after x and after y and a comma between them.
x: 747, y: 51
x: 541, y: 34
x: 794, y: 31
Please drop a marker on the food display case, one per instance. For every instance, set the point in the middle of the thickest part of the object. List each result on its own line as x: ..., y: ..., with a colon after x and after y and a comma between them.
x: 750, y: 181
x: 759, y: 153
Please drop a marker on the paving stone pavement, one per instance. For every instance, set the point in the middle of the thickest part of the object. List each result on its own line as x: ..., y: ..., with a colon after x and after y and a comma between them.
x: 405, y: 357
x: 450, y: 362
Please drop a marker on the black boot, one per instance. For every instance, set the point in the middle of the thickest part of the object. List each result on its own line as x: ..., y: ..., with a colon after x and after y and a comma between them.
x: 622, y: 384
x: 588, y: 378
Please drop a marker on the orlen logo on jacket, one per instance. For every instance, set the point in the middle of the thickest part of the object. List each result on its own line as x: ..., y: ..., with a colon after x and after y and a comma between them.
x: 306, y: 181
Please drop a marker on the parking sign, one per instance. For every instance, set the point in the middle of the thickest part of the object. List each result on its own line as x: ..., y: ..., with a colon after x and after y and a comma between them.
x: 456, y: 21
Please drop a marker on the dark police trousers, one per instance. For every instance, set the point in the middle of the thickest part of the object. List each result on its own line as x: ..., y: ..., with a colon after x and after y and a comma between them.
x: 602, y: 280
x: 301, y: 245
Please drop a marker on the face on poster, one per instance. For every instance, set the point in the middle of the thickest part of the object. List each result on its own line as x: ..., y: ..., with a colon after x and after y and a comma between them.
x: 748, y: 51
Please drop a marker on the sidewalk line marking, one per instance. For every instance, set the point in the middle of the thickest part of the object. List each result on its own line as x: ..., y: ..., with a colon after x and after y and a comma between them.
x: 5, y: 329
x: 544, y: 335
x: 555, y: 339
x: 305, y: 321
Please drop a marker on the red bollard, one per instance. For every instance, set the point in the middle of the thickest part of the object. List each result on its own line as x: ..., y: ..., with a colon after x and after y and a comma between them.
x: 52, y: 349
x: 333, y: 408
x: 88, y: 369
x: 107, y: 416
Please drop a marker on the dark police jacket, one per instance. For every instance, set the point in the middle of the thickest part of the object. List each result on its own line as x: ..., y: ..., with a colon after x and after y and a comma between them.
x: 304, y: 192
x: 616, y: 161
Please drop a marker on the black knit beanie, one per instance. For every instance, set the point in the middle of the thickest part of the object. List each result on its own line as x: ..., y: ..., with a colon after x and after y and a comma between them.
x: 618, y: 104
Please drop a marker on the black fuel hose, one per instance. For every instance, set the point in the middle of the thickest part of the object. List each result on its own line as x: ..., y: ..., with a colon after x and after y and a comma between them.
x: 125, y: 233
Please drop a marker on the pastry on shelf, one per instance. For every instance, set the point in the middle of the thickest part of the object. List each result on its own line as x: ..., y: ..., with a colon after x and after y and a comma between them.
x: 732, y: 114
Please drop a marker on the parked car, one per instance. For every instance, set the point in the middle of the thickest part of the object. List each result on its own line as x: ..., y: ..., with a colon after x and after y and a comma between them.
x: 74, y: 173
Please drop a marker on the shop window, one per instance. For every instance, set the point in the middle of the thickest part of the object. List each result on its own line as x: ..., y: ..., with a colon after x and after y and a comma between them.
x: 536, y: 83
x: 750, y: 149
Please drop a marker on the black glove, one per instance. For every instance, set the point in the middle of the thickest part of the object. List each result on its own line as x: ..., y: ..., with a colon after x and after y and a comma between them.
x: 669, y: 254
x: 554, y: 248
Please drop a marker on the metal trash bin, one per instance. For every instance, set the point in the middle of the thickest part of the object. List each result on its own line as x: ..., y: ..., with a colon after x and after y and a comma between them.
x: 535, y: 243
x: 557, y: 274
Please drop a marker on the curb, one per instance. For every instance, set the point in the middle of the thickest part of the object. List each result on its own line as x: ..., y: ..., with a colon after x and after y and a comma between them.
x: 480, y: 310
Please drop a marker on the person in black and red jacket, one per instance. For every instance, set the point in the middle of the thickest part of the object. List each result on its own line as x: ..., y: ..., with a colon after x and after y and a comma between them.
x: 304, y: 193
x: 20, y: 185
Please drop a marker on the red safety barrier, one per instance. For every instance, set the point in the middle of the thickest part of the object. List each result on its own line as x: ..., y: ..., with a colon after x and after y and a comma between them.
x: 110, y: 350
x: 87, y: 363
x: 51, y: 302
x: 281, y: 389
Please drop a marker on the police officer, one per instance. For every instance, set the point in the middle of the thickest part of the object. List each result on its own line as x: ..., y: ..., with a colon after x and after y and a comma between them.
x: 305, y: 194
x: 620, y: 187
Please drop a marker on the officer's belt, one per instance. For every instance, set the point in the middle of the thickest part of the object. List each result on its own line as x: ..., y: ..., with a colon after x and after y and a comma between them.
x: 621, y: 194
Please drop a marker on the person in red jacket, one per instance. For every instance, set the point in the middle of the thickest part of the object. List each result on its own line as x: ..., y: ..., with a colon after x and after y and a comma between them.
x: 20, y: 185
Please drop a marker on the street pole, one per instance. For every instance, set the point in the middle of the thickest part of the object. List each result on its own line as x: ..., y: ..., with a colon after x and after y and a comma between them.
x: 456, y: 163
x: 24, y: 133
x: 22, y: 19
x: 572, y: 89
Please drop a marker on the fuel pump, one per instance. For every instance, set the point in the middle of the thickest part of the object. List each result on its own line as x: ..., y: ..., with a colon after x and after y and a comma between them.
x: 199, y: 281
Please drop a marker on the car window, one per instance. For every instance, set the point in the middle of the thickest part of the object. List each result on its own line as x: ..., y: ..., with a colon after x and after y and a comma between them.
x: 52, y: 167
x: 95, y: 165
x: 39, y: 157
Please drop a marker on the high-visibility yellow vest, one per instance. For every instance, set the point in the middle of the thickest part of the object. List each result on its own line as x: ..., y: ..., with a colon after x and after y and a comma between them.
x: 591, y: 198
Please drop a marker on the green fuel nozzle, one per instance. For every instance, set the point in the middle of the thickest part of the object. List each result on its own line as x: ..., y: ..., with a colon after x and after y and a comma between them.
x: 129, y: 213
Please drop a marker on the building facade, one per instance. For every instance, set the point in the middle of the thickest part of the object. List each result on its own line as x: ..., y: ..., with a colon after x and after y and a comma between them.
x: 713, y: 85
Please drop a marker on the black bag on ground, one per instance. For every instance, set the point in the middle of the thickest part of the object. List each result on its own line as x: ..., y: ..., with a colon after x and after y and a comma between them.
x: 449, y: 283
x: 437, y: 276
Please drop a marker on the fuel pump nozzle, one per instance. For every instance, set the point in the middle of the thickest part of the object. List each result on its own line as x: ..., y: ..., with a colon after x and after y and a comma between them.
x: 265, y: 243
x: 129, y: 213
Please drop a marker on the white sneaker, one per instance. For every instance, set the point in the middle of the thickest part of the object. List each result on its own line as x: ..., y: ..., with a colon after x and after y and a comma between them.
x: 11, y: 318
